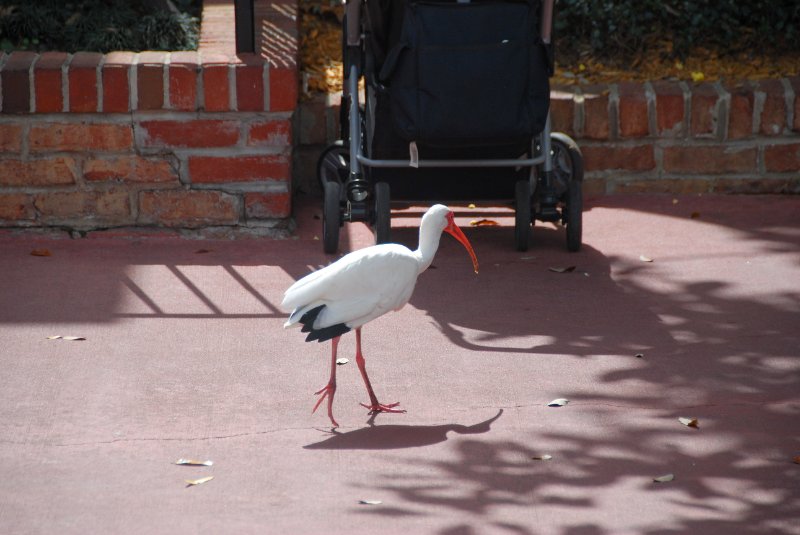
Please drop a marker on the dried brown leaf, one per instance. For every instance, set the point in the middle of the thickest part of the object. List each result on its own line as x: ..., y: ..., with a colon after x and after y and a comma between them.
x: 41, y: 252
x: 796, y: 459
x: 200, y: 481
x: 690, y: 422
x: 192, y: 462
x: 202, y: 251
x: 695, y: 215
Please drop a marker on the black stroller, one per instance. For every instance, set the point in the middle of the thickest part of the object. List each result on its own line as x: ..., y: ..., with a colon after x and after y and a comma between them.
x: 453, y: 90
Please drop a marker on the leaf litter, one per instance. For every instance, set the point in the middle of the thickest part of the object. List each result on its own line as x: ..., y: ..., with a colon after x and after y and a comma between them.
x: 199, y: 481
x: 690, y: 422
x: 192, y: 462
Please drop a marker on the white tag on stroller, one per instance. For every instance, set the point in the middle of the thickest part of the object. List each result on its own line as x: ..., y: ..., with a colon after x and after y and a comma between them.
x: 413, y: 154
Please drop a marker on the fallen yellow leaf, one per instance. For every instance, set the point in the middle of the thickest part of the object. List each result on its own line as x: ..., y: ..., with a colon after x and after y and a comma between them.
x: 698, y: 76
x: 483, y: 223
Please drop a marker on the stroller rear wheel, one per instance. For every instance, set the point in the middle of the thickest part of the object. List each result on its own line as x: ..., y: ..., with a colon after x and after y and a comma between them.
x: 333, y: 164
x: 522, y: 214
x: 331, y: 216
x: 383, y: 213
x: 568, y: 168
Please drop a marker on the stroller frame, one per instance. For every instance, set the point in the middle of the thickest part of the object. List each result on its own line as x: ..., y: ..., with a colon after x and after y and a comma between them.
x: 551, y: 193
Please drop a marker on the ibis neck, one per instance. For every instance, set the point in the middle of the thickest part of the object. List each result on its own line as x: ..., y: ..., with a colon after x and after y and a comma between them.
x: 428, y: 244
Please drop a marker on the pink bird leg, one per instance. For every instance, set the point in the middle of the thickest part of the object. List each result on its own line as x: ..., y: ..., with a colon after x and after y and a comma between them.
x: 330, y: 389
x: 375, y: 406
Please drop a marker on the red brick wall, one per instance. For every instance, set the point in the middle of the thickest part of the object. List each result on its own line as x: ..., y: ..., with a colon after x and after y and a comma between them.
x: 181, y: 139
x: 672, y: 137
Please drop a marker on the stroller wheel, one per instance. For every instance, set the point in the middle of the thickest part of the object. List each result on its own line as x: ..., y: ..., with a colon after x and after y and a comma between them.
x: 522, y: 215
x: 574, y: 215
x: 333, y: 164
x: 568, y: 167
x: 331, y: 217
x: 383, y: 213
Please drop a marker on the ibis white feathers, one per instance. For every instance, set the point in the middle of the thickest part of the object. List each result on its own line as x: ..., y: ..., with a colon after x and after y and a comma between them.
x: 362, y: 286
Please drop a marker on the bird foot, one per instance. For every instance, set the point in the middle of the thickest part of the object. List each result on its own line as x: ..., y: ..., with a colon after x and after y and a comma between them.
x: 327, y: 392
x: 375, y: 408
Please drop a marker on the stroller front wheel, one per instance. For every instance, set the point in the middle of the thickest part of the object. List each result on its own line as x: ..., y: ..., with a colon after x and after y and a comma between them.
x: 522, y: 214
x: 331, y: 217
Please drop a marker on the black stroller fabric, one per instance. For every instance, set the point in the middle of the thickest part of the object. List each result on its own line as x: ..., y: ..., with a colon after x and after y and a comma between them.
x: 464, y: 81
x: 466, y: 74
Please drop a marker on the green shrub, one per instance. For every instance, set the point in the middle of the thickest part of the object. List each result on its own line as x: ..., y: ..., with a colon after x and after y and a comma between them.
x: 621, y: 28
x: 96, y: 25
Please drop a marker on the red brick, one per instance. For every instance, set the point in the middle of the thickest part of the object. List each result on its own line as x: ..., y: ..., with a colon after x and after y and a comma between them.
x: 773, y: 116
x: 183, y: 67
x: 740, y: 114
x: 715, y: 159
x: 283, y: 88
x: 212, y: 169
x: 313, y: 121
x: 116, y: 82
x: 216, y: 89
x: 201, y: 133
x: 596, y: 112
x: 187, y: 208
x: 604, y: 157
x: 80, y: 137
x: 562, y: 110
x: 150, y: 80
x: 670, y: 108
x: 16, y: 207
x: 795, y: 82
x: 16, y: 84
x: 47, y: 82
x: 704, y: 110
x: 130, y: 169
x: 82, y: 86
x: 10, y: 137
x: 633, y: 116
x: 782, y: 158
x: 86, y: 207
x: 267, y: 205
x: 276, y: 133
x: 46, y: 172
x: 250, y: 83
x: 757, y: 186
x: 665, y: 185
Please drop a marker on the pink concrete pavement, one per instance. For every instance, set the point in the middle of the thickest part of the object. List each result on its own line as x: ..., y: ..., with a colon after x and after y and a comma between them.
x: 185, y: 357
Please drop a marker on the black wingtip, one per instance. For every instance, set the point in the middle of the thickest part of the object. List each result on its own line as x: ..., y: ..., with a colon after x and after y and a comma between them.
x: 324, y: 334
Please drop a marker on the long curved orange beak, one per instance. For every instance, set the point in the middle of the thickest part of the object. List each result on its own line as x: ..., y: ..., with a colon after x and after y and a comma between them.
x: 456, y: 232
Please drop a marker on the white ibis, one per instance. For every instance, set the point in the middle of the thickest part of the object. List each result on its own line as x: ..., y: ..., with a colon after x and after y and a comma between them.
x: 362, y: 286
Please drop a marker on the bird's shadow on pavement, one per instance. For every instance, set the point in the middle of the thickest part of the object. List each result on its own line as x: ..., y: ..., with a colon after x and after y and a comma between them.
x: 389, y: 437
